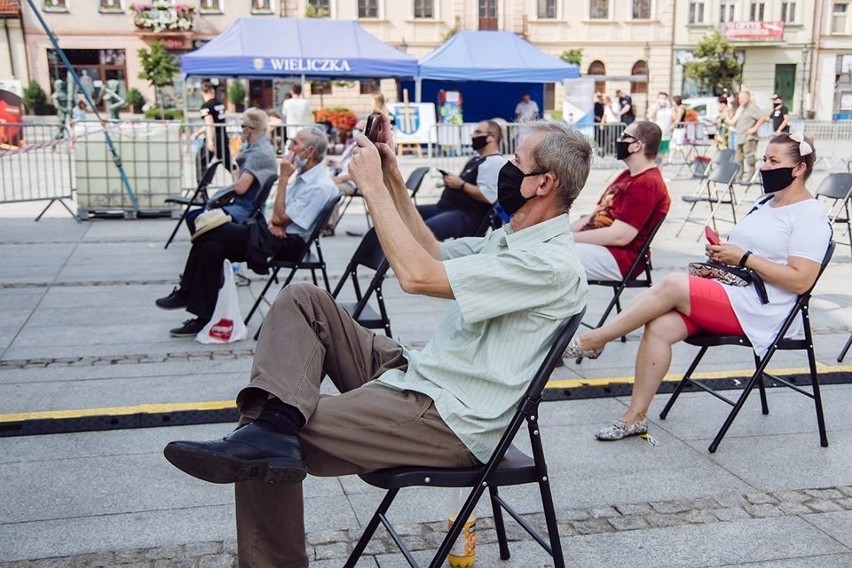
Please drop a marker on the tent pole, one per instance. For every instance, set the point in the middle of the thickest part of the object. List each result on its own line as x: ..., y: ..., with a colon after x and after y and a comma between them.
x: 418, y: 88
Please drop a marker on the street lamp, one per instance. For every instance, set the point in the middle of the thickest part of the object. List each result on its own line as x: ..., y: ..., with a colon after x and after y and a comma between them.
x: 805, y: 51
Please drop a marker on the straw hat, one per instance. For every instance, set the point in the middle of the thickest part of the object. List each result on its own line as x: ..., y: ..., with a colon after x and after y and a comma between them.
x: 208, y: 221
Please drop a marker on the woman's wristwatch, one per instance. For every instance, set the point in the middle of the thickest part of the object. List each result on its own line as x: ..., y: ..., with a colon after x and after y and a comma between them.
x: 744, y: 259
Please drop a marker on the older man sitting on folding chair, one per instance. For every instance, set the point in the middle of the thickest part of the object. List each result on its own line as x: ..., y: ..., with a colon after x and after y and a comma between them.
x: 610, y: 239
x: 445, y: 406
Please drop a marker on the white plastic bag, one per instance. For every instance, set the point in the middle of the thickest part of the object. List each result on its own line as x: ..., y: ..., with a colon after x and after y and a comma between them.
x: 226, y: 325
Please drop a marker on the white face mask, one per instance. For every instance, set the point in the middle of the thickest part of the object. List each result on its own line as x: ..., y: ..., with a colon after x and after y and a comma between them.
x: 300, y: 162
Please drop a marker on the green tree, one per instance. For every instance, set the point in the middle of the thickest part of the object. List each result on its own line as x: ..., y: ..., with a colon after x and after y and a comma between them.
x: 574, y: 56
x: 715, y: 66
x: 311, y: 11
x: 237, y: 94
x: 158, y: 68
x: 33, y: 96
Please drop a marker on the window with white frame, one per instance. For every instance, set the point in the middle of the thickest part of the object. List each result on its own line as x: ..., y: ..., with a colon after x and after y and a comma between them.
x: 210, y: 6
x: 368, y: 8
x: 546, y: 9
x: 599, y: 9
x: 55, y: 5
x: 111, y: 6
x: 839, y: 13
x: 424, y: 9
x: 757, y: 10
x: 320, y: 7
x: 696, y: 11
x: 727, y: 10
x: 641, y: 9
x: 788, y: 11
x: 262, y: 7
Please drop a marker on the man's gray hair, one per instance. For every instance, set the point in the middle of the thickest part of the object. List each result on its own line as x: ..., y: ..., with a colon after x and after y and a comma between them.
x: 565, y: 152
x: 318, y: 138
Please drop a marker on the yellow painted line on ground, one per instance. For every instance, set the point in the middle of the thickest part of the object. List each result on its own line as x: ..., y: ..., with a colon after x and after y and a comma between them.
x: 229, y: 404
x: 118, y: 411
x: 576, y: 383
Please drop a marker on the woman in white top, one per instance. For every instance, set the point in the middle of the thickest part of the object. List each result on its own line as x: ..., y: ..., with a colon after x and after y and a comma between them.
x: 783, y: 239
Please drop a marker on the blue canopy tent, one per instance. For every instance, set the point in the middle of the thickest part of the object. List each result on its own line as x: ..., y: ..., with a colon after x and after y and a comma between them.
x: 492, y: 70
x: 306, y: 47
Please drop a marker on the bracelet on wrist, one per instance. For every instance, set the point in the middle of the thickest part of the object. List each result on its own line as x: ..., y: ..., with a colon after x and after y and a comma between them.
x: 744, y: 259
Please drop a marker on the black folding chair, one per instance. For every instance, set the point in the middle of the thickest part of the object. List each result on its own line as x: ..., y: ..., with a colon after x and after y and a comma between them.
x: 369, y: 254
x: 838, y: 188
x: 198, y: 198
x: 307, y: 260
x: 638, y: 276
x: 705, y: 341
x: 415, y: 180
x: 717, y: 189
x: 507, y: 466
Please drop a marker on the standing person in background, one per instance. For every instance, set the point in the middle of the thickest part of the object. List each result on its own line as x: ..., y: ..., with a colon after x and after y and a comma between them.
x: 723, y: 128
x: 746, y: 121
x: 625, y: 103
x: 780, y: 116
x: 611, y: 117
x: 599, y: 127
x: 215, y: 136
x: 526, y: 110
x: 661, y: 114
x: 296, y: 112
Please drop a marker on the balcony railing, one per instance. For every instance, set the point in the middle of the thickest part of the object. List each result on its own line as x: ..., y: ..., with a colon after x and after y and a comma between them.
x: 163, y: 16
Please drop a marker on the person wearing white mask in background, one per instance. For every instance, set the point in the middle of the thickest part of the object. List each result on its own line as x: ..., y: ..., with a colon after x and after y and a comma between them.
x: 303, y: 191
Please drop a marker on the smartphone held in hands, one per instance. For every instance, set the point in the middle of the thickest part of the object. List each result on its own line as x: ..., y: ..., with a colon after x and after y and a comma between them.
x: 373, y: 127
x: 712, y: 236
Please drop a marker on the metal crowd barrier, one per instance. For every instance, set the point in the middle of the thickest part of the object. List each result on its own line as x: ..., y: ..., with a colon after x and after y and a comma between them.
x: 36, y: 163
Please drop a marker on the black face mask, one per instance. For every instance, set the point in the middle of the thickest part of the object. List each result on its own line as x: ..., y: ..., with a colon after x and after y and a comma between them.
x: 479, y: 142
x: 621, y: 149
x: 509, y: 188
x: 777, y: 179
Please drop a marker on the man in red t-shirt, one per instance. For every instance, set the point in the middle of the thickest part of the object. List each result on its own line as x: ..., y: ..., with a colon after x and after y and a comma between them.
x: 609, y: 240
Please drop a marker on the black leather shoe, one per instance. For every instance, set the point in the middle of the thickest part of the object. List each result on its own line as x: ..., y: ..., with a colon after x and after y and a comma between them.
x: 250, y: 452
x: 176, y: 300
x: 190, y: 328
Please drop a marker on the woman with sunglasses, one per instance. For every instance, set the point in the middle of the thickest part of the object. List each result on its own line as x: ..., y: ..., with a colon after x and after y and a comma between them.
x: 783, y: 239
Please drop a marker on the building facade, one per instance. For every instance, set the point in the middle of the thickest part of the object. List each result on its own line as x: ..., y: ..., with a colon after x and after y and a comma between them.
x: 797, y: 48
x: 13, y: 58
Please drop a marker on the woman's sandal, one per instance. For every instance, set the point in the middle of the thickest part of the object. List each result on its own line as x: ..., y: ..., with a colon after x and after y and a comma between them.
x: 573, y: 351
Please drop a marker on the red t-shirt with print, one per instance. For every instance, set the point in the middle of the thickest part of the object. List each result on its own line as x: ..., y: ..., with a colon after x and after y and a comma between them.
x: 641, y: 201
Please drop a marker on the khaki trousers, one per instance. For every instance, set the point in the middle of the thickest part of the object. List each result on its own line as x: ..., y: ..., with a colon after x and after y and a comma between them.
x: 305, y: 337
x: 746, y: 156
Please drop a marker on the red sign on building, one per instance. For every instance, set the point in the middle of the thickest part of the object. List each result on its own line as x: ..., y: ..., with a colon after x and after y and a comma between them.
x: 754, y: 31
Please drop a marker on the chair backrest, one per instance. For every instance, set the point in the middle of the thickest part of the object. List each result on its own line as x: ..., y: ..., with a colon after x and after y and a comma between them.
x: 528, y: 405
x: 836, y: 186
x: 322, y: 220
x: 263, y: 194
x: 209, y: 174
x: 368, y: 254
x: 725, y: 172
x: 722, y: 156
x: 415, y: 179
x: 643, y: 259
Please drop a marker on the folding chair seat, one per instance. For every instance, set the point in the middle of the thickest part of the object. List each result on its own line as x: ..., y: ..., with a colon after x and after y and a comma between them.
x: 507, y: 466
x: 838, y: 188
x: 633, y: 279
x: 717, y: 190
x: 369, y: 254
x: 706, y: 341
x: 307, y: 260
x: 198, y: 198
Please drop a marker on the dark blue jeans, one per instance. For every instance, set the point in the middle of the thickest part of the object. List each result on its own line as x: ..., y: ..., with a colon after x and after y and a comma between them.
x: 448, y: 223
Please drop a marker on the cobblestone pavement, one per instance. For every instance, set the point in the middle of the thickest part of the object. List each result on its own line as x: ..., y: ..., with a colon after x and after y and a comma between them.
x: 336, y: 544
